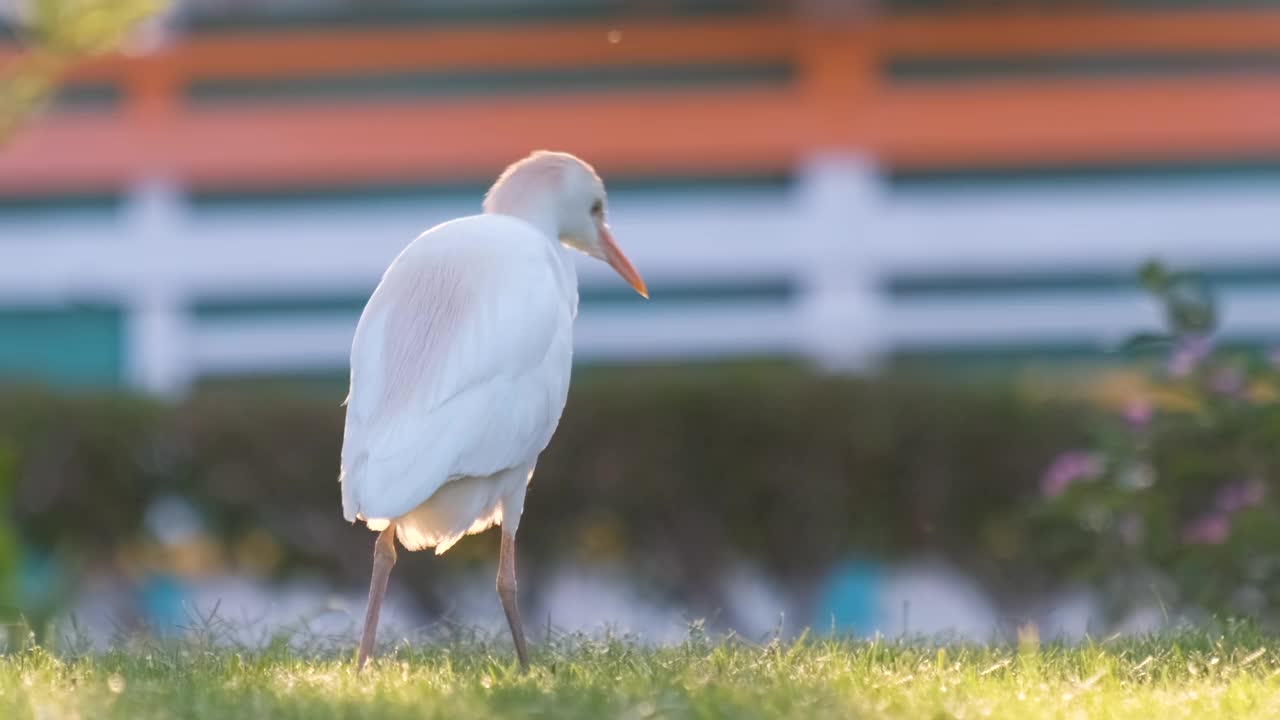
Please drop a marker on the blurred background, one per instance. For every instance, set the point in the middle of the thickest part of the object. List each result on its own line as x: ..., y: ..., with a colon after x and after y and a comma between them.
x: 962, y: 311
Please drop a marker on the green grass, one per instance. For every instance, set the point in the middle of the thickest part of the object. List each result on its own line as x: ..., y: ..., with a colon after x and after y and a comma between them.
x: 1200, y: 675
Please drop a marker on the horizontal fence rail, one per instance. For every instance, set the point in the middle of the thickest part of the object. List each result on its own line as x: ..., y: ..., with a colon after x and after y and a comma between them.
x: 838, y: 253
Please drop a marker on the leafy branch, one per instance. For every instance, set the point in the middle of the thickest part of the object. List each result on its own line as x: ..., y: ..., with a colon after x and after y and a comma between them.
x: 55, y: 35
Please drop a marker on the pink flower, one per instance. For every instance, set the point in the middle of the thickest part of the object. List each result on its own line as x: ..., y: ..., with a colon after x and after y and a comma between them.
x: 1238, y: 496
x: 1138, y: 414
x: 1210, y: 529
x: 1068, y: 468
x: 1190, y: 352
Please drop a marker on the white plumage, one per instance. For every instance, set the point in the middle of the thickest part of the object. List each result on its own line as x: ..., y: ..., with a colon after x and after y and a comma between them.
x: 459, y: 372
x: 460, y: 368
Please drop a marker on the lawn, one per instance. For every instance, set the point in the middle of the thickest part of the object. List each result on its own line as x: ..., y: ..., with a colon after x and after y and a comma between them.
x: 1232, y: 674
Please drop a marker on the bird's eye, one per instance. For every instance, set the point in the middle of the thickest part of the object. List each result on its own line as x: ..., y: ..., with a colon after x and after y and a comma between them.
x: 597, y: 207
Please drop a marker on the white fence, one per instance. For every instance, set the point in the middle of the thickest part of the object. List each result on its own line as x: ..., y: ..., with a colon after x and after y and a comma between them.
x: 836, y: 236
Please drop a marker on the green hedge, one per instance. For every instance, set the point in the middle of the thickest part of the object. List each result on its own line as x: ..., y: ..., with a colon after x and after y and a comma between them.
x: 674, y: 472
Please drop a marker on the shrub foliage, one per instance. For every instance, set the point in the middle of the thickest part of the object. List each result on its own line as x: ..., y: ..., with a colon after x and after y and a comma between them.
x: 1174, y: 501
x: 679, y: 474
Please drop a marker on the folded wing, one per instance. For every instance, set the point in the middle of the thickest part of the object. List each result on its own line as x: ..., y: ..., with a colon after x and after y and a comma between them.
x: 456, y: 365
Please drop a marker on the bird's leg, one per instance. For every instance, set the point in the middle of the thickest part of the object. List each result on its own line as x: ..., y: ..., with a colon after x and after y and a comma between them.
x: 384, y: 557
x: 507, y: 593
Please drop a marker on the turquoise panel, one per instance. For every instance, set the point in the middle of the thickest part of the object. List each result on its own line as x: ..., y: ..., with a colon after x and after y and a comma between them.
x: 608, y: 293
x: 457, y: 83
x: 364, y: 196
x: 1028, y: 285
x: 80, y: 346
x: 1199, y: 174
x: 103, y: 207
x: 355, y: 13
x: 961, y: 68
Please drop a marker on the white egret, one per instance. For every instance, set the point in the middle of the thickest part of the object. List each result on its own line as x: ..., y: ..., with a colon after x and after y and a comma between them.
x: 460, y: 370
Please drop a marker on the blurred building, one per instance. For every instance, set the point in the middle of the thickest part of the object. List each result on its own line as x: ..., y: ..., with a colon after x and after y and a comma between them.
x: 847, y: 184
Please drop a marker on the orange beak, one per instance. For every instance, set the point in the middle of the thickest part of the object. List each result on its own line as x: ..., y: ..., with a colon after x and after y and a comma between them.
x: 619, y: 262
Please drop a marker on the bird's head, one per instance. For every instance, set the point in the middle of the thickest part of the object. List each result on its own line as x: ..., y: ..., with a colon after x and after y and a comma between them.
x: 564, y: 195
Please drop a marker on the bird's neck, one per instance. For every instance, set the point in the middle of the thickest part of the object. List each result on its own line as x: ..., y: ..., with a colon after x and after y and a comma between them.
x: 535, y: 208
x: 566, y: 273
x: 538, y: 209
